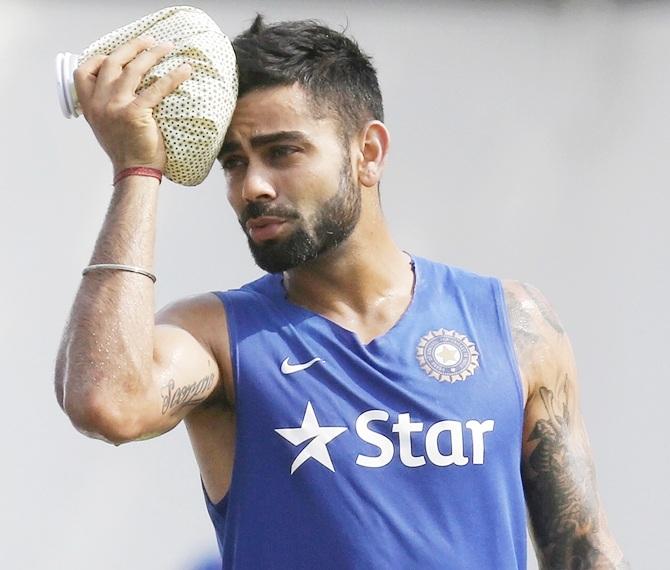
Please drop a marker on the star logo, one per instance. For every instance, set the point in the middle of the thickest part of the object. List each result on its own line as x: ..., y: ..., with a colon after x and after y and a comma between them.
x: 320, y: 436
x: 447, y: 355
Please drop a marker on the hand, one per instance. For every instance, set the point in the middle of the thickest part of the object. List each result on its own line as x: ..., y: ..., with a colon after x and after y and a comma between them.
x: 121, y: 118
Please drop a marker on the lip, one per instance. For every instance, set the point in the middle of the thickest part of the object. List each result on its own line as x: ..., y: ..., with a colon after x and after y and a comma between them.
x: 264, y: 228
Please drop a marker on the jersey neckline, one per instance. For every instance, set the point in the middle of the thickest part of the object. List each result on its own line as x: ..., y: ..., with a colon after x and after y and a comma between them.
x: 280, y: 295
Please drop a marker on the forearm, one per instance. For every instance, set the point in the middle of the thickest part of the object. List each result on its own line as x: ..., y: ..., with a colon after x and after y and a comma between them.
x: 569, y: 530
x: 567, y: 519
x: 104, y: 375
x: 106, y: 355
x: 588, y: 553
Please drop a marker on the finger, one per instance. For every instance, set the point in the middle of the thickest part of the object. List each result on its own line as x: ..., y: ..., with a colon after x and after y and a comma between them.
x: 115, y: 61
x: 91, y: 66
x: 135, y: 70
x: 85, y: 77
x: 159, y: 89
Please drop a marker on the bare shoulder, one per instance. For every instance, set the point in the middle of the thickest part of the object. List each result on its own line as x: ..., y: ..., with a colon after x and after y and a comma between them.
x: 196, y: 312
x: 538, y: 335
x: 543, y: 349
x: 203, y: 317
x: 527, y: 302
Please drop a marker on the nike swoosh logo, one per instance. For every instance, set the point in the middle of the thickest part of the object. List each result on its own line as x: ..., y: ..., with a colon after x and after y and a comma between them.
x: 288, y: 368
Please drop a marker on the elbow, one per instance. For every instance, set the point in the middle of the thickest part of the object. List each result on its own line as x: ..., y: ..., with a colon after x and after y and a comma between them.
x: 96, y: 405
x: 59, y: 374
x: 58, y: 389
x: 96, y: 417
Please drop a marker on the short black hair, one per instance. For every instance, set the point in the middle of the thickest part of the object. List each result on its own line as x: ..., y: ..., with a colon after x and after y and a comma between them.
x: 336, y: 75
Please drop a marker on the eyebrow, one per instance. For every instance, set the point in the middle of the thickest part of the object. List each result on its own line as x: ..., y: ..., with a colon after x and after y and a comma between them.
x: 262, y: 140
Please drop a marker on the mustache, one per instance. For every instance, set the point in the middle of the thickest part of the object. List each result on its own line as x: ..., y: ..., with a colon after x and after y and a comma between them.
x: 258, y: 209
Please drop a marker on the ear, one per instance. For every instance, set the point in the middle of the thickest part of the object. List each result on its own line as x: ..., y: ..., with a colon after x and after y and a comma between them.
x: 374, y: 145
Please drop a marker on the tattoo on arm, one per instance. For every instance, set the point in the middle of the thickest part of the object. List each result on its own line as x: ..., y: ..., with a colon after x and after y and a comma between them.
x: 559, y: 482
x: 175, y: 399
x: 521, y: 323
x: 548, y: 314
x: 558, y: 474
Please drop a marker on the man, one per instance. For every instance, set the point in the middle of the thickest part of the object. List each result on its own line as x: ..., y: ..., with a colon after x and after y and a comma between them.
x: 357, y: 407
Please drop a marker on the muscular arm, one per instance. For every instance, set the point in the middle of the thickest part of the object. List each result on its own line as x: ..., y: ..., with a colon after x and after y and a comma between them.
x: 118, y: 376
x: 568, y: 523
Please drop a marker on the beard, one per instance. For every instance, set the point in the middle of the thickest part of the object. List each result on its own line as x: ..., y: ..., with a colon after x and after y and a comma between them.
x: 330, y: 226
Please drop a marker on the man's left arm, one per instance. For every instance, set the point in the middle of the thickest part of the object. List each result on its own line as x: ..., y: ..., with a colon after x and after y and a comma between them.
x: 567, y: 520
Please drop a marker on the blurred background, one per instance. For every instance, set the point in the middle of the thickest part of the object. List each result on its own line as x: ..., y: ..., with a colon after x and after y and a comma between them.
x: 530, y: 140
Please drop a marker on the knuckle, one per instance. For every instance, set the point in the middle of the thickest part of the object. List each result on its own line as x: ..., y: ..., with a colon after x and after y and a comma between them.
x: 109, y: 62
x: 154, y: 88
x: 166, y: 84
x: 87, y: 67
x: 140, y: 64
x: 132, y: 66
x: 140, y: 44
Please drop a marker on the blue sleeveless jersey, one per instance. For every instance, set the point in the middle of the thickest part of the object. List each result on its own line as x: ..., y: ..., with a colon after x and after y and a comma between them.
x: 401, y: 453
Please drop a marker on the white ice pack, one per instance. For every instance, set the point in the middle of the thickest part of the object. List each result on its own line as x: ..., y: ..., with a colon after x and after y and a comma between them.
x: 195, y: 117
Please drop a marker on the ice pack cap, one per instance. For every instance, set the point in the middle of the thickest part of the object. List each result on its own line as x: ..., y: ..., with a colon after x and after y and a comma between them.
x: 195, y: 117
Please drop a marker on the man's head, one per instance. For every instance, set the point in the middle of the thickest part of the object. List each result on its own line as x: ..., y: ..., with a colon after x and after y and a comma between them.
x: 302, y: 140
x: 337, y: 76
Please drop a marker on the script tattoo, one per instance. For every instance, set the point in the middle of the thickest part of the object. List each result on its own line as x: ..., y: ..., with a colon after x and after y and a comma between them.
x: 175, y: 399
x: 559, y: 481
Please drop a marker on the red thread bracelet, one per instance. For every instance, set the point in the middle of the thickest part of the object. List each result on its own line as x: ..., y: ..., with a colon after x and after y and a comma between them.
x: 138, y: 171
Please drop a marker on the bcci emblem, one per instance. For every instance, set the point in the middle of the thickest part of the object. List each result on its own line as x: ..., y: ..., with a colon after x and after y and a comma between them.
x: 447, y: 356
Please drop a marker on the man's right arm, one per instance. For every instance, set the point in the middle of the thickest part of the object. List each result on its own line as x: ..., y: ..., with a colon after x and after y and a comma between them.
x: 118, y: 376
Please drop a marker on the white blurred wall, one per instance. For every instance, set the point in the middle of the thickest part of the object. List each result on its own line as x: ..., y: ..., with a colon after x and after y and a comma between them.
x: 529, y: 141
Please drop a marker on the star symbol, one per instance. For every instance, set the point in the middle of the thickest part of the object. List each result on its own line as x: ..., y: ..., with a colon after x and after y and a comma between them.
x: 447, y: 354
x: 320, y: 436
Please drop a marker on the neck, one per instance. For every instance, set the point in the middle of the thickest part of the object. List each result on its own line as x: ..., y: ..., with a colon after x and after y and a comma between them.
x: 365, y: 272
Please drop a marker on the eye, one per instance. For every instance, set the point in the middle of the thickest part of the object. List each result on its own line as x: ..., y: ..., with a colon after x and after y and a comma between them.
x: 231, y: 162
x: 282, y: 151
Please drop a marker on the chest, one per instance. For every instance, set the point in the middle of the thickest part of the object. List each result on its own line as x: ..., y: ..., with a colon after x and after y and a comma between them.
x: 418, y: 396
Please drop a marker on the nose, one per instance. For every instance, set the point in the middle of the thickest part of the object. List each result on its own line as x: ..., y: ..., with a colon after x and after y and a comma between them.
x: 257, y: 185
